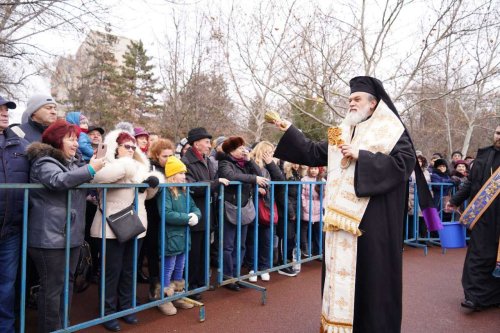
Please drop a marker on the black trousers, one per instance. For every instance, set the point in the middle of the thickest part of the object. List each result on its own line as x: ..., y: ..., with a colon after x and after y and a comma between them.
x: 50, y: 264
x: 94, y: 243
x: 119, y: 274
x: 197, y: 260
x: 150, y: 249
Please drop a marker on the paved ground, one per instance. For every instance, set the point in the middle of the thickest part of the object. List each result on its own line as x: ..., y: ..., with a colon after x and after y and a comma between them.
x: 432, y: 295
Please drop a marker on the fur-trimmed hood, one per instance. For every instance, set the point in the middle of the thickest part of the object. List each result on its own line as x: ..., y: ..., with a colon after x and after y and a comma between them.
x: 38, y: 150
x: 110, y: 141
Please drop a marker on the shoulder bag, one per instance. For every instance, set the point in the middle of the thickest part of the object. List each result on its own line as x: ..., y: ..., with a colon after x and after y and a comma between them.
x: 125, y: 223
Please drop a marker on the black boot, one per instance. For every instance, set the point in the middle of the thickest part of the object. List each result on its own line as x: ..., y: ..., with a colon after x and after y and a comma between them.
x: 154, y: 288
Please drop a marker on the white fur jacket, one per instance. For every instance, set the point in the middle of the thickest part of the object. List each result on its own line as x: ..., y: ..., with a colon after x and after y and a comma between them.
x: 123, y: 170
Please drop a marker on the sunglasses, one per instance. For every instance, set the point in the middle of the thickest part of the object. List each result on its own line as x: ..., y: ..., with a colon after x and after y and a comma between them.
x: 129, y: 147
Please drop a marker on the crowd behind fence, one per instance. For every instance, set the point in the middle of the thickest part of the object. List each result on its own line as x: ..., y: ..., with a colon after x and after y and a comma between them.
x: 414, y: 235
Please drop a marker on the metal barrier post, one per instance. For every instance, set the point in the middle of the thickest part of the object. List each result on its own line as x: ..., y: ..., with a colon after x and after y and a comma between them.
x: 24, y: 251
x: 67, y: 255
x: 134, y: 256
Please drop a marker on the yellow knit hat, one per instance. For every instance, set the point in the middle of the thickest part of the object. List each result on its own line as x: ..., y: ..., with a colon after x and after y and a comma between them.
x: 174, y: 166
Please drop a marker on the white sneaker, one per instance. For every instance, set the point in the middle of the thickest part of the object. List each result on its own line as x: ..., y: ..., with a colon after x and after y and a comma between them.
x: 252, y: 278
x: 265, y: 277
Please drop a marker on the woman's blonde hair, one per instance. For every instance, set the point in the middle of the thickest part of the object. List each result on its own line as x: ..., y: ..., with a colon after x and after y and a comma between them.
x: 288, y: 169
x: 258, y: 151
x: 174, y: 190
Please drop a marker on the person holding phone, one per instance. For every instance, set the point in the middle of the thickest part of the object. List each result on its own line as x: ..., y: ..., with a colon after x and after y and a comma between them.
x: 126, y: 164
x: 55, y: 165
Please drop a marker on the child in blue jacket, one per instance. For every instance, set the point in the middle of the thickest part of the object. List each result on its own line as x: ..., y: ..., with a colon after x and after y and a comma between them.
x: 84, y: 143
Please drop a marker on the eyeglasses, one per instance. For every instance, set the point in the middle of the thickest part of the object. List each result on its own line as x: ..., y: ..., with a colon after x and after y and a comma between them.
x: 129, y: 147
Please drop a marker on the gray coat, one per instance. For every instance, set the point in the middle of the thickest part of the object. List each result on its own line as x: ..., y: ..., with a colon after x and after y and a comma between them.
x: 47, y: 211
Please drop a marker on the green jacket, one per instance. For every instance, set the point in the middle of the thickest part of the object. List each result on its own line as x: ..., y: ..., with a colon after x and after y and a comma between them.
x: 176, y: 221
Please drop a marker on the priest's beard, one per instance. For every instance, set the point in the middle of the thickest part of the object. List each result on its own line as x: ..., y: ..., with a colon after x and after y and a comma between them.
x: 354, y: 118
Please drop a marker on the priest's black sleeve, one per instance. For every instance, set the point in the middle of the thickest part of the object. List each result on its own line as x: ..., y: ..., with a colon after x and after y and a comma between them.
x: 462, y: 194
x: 378, y: 173
x: 294, y: 147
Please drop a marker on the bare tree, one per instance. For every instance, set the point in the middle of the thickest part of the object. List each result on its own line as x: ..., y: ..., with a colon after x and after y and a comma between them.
x: 21, y: 22
x: 195, y: 94
x: 252, y: 43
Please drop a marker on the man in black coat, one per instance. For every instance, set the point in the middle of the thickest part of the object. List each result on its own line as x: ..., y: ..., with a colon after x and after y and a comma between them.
x: 200, y: 169
x: 14, y: 168
x: 361, y: 299
x: 481, y: 288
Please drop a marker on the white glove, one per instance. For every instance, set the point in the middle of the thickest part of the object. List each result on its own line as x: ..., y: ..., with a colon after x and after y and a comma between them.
x: 193, y: 219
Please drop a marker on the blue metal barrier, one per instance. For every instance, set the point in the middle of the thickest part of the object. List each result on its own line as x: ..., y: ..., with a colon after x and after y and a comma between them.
x: 411, y: 237
x: 241, y: 278
x: 102, y: 317
x: 415, y: 239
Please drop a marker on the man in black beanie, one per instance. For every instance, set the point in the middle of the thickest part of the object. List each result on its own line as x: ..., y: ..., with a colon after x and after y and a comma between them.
x: 370, y: 157
x: 200, y: 169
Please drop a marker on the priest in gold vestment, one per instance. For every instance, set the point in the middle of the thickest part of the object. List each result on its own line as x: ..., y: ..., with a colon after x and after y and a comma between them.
x: 370, y: 157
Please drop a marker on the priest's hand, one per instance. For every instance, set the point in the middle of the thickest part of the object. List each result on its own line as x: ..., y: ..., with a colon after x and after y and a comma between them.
x: 282, y: 125
x: 349, y: 151
x: 449, y: 208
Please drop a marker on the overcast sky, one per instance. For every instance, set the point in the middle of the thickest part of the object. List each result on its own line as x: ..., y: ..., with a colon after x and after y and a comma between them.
x: 150, y: 20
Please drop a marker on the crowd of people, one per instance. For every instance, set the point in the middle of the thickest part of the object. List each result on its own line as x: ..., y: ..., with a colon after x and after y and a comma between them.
x: 61, y: 154
x: 445, y: 178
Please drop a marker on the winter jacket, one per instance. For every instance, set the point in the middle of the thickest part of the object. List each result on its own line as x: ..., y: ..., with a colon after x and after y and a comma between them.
x: 292, y: 196
x: 229, y: 169
x: 152, y: 204
x: 201, y: 171
x: 316, y: 212
x: 273, y: 172
x: 439, y: 177
x: 478, y: 175
x: 458, y: 179
x: 176, y: 220
x: 123, y: 170
x: 31, y: 131
x: 14, y: 168
x: 84, y: 143
x: 47, y: 226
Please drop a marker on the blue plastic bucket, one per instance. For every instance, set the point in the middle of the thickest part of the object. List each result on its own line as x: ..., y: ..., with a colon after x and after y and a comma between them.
x: 452, y: 236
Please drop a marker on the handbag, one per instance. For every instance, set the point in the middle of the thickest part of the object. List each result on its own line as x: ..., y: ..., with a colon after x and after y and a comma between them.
x: 125, y: 223
x: 83, y: 269
x: 265, y: 212
x: 247, y: 212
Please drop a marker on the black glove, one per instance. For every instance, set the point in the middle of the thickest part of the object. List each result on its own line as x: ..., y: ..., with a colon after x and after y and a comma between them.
x: 152, y: 181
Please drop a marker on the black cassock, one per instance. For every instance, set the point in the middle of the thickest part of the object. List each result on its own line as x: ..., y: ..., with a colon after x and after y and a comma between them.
x: 479, y: 285
x: 383, y: 178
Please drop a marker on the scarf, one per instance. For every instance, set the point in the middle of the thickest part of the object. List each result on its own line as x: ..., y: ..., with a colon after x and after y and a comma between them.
x: 241, y: 162
x: 198, y: 154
